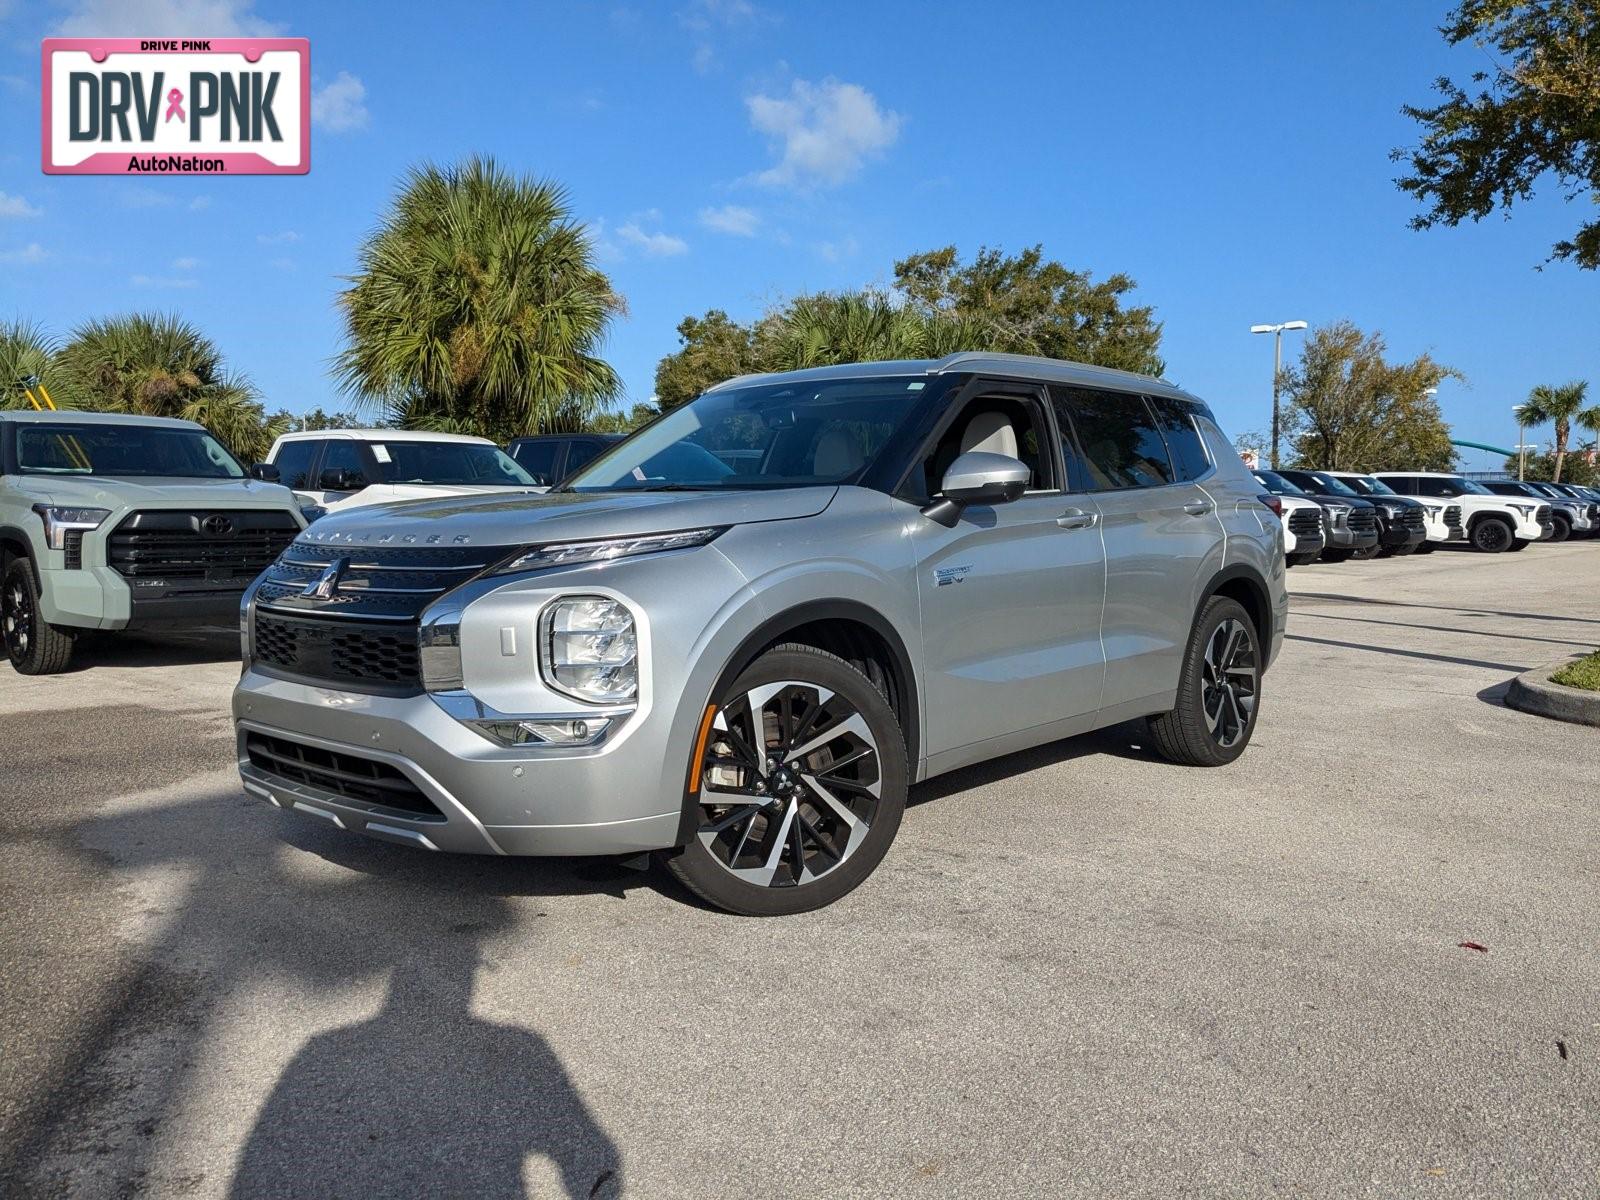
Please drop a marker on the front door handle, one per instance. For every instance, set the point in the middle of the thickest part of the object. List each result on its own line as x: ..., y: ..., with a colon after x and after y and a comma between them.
x: 1198, y: 508
x: 1077, y: 518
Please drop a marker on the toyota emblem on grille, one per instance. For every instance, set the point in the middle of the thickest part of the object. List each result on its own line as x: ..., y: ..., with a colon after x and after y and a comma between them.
x: 216, y: 525
x: 324, y: 586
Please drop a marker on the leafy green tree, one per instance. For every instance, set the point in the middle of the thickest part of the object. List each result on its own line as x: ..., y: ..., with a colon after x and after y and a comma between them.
x: 1542, y: 467
x: 1012, y: 304
x: 159, y: 365
x: 1558, y: 406
x: 1533, y: 111
x: 27, y: 353
x: 1351, y: 409
x: 714, y: 348
x: 614, y: 420
x: 478, y: 305
x: 1025, y: 304
x: 318, y: 419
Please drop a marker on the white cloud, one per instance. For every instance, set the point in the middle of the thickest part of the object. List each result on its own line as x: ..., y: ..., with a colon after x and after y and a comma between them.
x: 31, y: 253
x: 16, y: 206
x: 834, y: 251
x: 827, y: 130
x: 340, y: 106
x: 278, y: 239
x: 199, y: 203
x: 707, y: 19
x: 162, y: 281
x: 731, y: 218
x: 178, y: 18
x: 653, y: 245
x: 185, y: 264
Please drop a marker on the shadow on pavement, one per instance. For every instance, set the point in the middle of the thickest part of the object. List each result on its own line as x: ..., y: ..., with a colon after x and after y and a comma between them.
x: 152, y: 649
x: 1128, y: 740
x: 1464, y: 609
x: 421, y: 1097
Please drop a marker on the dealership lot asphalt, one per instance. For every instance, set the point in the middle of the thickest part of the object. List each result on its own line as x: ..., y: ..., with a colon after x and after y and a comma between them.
x: 1080, y: 970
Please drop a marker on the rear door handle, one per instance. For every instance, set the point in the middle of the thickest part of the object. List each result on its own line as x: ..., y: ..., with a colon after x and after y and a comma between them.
x: 1076, y: 518
x: 1198, y: 508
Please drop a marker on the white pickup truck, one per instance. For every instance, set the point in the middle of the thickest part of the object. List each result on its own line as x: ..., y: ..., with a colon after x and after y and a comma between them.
x: 1490, y: 523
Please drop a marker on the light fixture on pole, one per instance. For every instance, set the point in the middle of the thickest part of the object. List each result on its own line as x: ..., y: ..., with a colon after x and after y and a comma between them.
x: 1277, y: 370
x: 1522, y: 450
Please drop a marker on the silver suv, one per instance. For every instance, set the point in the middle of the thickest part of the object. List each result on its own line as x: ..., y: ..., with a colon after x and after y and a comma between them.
x: 112, y: 522
x: 914, y: 566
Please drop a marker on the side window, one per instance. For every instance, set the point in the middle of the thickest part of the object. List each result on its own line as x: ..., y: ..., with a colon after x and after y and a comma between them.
x: 1403, y: 486
x: 1188, y: 452
x: 1434, y: 487
x: 294, y: 462
x: 538, y: 458
x: 343, y: 455
x: 580, y: 454
x: 1122, y: 446
x: 1010, y: 425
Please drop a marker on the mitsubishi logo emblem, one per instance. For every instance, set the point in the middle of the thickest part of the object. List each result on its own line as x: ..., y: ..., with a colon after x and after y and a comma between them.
x: 326, y: 585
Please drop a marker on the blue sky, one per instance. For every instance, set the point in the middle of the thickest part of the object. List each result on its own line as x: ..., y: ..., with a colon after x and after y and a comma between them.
x: 1233, y: 159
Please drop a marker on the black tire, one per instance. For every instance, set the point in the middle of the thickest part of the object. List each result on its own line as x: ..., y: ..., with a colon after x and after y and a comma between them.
x: 33, y: 646
x: 1366, y: 552
x: 1300, y: 560
x: 1563, y: 528
x: 850, y: 828
x: 1492, y: 535
x: 1518, y: 544
x: 1222, y: 643
x: 1424, y: 548
x: 1409, y: 548
x: 1337, y: 555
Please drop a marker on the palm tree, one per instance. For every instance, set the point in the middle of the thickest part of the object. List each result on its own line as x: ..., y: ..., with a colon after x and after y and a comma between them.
x: 158, y: 365
x: 1557, y: 405
x: 478, y: 305
x: 823, y: 329
x: 1589, y: 419
x: 26, y: 353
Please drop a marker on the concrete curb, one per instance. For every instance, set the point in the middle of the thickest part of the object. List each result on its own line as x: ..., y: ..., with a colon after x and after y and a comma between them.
x: 1532, y: 692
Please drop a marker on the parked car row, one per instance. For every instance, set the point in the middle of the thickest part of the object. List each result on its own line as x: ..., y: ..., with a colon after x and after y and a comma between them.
x: 1340, y: 515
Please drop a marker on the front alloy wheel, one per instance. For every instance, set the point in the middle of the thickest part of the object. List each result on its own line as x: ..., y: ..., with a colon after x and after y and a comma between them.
x: 34, y: 646
x: 1219, y: 690
x: 800, y: 787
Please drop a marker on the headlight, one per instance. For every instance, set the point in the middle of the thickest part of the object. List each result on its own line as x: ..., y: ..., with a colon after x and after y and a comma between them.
x: 1337, y: 513
x: 589, y: 649
x: 562, y: 554
x: 1393, y: 511
x: 1525, y: 509
x: 58, y: 522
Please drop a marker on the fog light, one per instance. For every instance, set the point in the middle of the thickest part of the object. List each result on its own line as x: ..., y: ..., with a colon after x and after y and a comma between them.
x: 547, y: 731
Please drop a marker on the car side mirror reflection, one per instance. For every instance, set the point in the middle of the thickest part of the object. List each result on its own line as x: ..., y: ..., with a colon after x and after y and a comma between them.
x: 338, y: 479
x: 978, y: 477
x: 266, y: 473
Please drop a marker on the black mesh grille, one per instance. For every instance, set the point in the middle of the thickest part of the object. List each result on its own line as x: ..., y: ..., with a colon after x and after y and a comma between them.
x: 363, y: 655
x: 1305, y: 522
x: 1544, y: 517
x: 1452, y: 520
x: 218, y: 547
x: 361, y: 781
x: 74, y: 549
x: 1411, y: 518
x: 1362, y: 520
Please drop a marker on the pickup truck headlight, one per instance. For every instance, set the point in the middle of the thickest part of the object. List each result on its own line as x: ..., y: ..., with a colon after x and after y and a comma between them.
x: 589, y: 649
x: 563, y: 554
x: 1526, y: 510
x: 58, y: 522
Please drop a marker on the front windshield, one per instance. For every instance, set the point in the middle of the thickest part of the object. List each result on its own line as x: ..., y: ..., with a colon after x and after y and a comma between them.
x: 1335, y: 485
x: 1367, y: 485
x: 123, y: 451
x: 1466, y: 485
x: 766, y: 435
x: 1277, y: 484
x: 448, y: 463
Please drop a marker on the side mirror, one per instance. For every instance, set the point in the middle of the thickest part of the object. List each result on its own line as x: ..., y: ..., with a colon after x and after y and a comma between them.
x: 266, y: 473
x: 978, y: 477
x: 338, y: 479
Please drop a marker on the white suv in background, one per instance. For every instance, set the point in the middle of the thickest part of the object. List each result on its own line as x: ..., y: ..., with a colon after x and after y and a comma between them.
x: 334, y: 469
x: 1490, y: 523
x: 1441, y: 519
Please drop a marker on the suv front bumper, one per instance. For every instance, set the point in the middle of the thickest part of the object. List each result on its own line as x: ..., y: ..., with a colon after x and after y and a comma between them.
x: 614, y: 798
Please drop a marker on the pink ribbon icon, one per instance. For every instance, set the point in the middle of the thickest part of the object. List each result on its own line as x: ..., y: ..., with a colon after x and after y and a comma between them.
x: 175, y: 106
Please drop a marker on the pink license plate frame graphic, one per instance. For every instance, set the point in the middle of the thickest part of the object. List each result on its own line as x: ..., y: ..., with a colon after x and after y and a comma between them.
x: 229, y: 162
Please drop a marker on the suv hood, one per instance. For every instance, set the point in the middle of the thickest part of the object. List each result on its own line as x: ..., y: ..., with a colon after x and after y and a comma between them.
x: 522, y: 520
x: 96, y: 491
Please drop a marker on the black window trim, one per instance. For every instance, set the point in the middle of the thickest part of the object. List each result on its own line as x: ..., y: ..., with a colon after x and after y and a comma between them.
x: 1188, y: 415
x: 957, y: 400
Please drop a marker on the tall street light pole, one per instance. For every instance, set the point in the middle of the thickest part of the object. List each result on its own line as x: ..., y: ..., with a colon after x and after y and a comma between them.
x: 1522, y: 450
x: 1277, y: 370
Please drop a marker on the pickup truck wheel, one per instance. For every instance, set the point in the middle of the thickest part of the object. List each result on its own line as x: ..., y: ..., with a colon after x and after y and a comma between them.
x: 1492, y: 535
x: 34, y: 646
x: 1424, y: 548
x: 1337, y: 555
x: 1518, y: 544
x: 801, y: 785
x: 1366, y: 552
x: 1563, y: 528
x: 1219, y: 690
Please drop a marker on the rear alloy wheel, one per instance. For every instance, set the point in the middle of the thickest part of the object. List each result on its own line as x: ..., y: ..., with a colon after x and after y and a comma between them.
x: 1219, y: 690
x: 1518, y: 544
x: 1563, y: 529
x: 801, y: 786
x: 1492, y: 535
x: 34, y: 646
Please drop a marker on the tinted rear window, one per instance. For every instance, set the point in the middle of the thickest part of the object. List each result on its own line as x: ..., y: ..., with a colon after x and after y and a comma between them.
x: 1183, y: 439
x: 1122, y: 445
